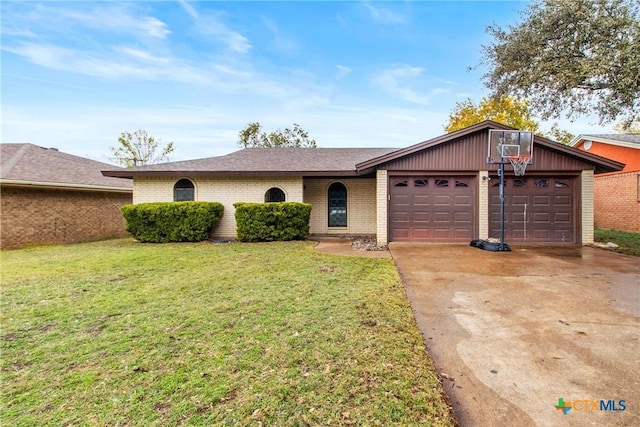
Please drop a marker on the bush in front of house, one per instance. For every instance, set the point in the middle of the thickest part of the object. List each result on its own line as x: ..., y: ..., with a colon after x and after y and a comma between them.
x: 259, y: 222
x: 172, y: 221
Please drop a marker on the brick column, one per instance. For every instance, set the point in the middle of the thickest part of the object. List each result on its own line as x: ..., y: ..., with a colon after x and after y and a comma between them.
x: 483, y: 205
x: 587, y: 206
x: 381, y: 206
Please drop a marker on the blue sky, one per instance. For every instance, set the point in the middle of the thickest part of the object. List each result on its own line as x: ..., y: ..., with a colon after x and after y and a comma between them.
x: 363, y: 74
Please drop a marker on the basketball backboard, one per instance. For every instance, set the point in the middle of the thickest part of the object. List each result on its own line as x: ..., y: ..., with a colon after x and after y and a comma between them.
x: 508, y: 143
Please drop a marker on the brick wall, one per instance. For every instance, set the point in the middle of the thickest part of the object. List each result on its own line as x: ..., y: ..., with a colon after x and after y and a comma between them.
x: 222, y: 190
x: 31, y: 216
x: 483, y: 204
x: 587, y: 207
x: 382, y: 198
x: 361, y: 206
x: 617, y: 204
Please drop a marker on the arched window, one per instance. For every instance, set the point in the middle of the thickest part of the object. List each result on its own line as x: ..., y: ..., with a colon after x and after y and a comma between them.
x: 337, y: 205
x: 184, y: 191
x: 274, y: 195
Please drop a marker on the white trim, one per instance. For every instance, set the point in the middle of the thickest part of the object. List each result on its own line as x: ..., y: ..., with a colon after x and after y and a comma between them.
x: 63, y: 186
x: 595, y: 138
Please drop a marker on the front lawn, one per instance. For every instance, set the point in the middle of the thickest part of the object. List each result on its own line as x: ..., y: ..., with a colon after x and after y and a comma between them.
x: 123, y: 333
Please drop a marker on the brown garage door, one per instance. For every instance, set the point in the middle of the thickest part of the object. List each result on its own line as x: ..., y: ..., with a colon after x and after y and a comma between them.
x: 537, y: 209
x: 427, y: 208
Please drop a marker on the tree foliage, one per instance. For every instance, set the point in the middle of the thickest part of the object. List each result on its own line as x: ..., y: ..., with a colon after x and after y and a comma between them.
x: 628, y: 127
x: 560, y: 135
x: 570, y: 57
x: 507, y: 110
x: 254, y: 136
x: 139, y: 148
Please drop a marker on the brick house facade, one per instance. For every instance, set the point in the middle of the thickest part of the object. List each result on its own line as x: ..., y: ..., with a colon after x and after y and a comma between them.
x: 49, y: 197
x: 617, y: 201
x: 37, y: 216
x: 617, y: 194
x: 426, y: 192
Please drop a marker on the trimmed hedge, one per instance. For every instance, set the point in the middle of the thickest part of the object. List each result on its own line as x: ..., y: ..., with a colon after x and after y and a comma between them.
x: 256, y: 222
x: 172, y: 221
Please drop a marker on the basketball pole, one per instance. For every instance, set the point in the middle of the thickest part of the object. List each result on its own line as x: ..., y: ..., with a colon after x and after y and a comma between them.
x: 503, y: 246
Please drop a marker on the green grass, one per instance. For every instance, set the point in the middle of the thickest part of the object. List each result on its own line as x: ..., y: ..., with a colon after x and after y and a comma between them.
x: 628, y: 243
x: 123, y: 333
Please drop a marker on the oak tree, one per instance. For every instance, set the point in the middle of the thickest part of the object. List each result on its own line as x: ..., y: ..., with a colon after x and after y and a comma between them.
x: 570, y: 57
x: 507, y: 110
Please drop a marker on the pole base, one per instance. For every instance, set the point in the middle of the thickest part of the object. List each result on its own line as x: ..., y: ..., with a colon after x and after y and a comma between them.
x: 490, y: 246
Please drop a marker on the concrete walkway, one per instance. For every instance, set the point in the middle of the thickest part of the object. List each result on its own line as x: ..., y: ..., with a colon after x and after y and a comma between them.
x: 511, y: 333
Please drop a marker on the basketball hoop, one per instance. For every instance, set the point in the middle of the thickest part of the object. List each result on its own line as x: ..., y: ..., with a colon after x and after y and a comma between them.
x: 519, y: 163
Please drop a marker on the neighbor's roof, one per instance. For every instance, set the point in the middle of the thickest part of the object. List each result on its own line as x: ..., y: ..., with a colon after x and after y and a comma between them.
x: 31, y: 165
x: 630, y: 140
x: 263, y: 161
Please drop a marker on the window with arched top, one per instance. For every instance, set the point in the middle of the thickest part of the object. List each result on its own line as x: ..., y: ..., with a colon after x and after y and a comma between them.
x: 274, y: 195
x: 337, y: 195
x: 184, y: 191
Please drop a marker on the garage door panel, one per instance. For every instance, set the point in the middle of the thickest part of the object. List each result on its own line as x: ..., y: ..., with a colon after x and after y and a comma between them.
x: 462, y: 217
x: 542, y: 201
x: 421, y: 234
x: 442, y: 200
x: 563, y: 235
x: 541, y: 217
x: 564, y: 200
x: 398, y: 200
x: 442, y: 233
x: 421, y: 200
x: 439, y: 208
x: 442, y: 217
x: 421, y: 217
x: 562, y: 218
x: 518, y: 200
x: 462, y: 200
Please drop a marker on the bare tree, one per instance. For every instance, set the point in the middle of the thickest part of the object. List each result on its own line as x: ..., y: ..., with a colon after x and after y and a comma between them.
x: 139, y: 148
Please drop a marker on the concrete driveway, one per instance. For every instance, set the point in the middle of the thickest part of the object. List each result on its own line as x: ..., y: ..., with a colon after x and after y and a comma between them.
x: 513, y: 332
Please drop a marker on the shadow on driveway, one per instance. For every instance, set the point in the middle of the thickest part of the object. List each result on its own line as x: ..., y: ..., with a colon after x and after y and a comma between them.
x: 512, y: 332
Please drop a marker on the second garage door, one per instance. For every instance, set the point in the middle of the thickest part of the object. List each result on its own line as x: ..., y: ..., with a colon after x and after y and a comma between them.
x: 537, y: 209
x: 427, y: 208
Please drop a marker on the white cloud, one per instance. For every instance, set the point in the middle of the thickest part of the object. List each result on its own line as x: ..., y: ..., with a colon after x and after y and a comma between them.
x: 384, y: 15
x: 212, y: 25
x: 120, y: 18
x: 281, y: 43
x: 343, y: 71
x: 142, y: 55
x: 106, y: 64
x: 395, y: 82
x: 189, y: 9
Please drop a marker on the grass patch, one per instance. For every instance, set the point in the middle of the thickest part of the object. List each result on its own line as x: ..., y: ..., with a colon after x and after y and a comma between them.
x: 123, y: 333
x: 628, y: 243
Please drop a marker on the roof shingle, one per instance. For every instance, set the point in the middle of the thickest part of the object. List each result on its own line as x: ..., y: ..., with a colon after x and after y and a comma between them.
x: 293, y: 161
x: 31, y: 163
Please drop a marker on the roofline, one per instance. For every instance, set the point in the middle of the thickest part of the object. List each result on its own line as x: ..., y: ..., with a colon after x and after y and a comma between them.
x: 582, y: 137
x: 63, y: 186
x: 174, y: 174
x: 601, y: 164
x: 489, y: 124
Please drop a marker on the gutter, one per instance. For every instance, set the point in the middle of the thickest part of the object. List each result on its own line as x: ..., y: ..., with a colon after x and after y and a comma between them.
x: 62, y: 186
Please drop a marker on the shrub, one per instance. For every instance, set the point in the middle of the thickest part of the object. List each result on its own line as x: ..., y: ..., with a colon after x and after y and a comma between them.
x: 272, y: 221
x: 172, y: 221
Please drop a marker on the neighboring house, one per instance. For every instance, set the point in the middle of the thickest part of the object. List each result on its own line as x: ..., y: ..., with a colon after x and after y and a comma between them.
x: 617, y: 195
x: 49, y: 197
x: 440, y: 190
